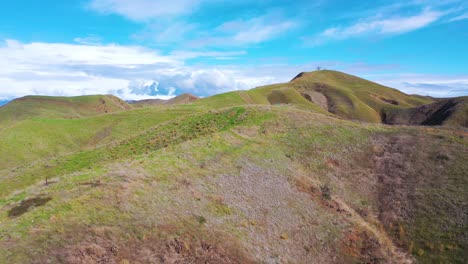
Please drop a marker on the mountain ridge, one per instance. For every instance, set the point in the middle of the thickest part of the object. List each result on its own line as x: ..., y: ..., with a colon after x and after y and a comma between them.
x: 341, y: 94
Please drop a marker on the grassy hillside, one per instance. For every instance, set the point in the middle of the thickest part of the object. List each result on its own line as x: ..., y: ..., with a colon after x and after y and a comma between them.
x: 277, y: 183
x: 444, y: 112
x: 43, y: 127
x: 280, y: 94
x: 60, y: 107
x: 260, y: 176
x: 44, y: 137
x: 355, y: 98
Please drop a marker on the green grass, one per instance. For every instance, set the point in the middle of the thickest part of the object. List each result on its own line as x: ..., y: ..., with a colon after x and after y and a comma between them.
x: 436, y: 233
x: 44, y: 129
x: 156, y: 138
x: 43, y: 138
x: 267, y: 95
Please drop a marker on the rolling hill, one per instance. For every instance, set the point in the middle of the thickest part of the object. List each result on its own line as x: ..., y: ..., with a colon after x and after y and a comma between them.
x: 180, y: 99
x: 277, y: 174
x: 60, y: 107
x: 355, y: 98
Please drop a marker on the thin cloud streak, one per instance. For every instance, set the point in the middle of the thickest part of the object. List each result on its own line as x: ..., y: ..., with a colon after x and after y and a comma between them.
x: 144, y: 10
x: 389, y: 26
x: 245, y: 32
x: 459, y: 18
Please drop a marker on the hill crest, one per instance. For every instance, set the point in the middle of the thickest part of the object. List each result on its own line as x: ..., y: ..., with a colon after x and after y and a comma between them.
x: 61, y: 107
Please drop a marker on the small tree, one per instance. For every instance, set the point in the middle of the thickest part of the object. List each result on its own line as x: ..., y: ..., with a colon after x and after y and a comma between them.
x: 319, y: 68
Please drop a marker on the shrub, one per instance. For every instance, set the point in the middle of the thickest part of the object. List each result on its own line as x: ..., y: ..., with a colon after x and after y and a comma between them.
x: 326, y: 192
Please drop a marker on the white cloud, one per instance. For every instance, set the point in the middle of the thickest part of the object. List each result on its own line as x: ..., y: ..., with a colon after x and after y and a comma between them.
x: 132, y: 72
x: 426, y: 84
x: 460, y: 17
x: 37, y: 53
x: 221, y: 55
x: 143, y: 10
x: 378, y: 26
x: 257, y: 29
x: 126, y: 71
x: 246, y: 31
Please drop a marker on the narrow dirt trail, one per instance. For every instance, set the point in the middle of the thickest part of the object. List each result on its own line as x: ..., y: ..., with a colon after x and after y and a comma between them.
x: 338, y: 206
x: 381, y: 235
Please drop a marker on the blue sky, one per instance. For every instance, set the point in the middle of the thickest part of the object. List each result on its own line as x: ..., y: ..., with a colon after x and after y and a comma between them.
x: 157, y: 48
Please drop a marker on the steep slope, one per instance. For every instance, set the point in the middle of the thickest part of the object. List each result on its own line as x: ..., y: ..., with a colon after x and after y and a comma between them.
x: 446, y: 112
x: 60, y: 107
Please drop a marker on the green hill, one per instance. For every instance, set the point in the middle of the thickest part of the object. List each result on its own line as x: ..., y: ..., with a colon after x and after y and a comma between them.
x: 355, y: 98
x: 267, y: 175
x: 60, y: 107
x: 180, y: 99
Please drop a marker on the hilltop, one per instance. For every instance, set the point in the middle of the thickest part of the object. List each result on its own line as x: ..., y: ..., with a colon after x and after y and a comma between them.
x: 278, y: 174
x: 60, y: 107
x: 180, y: 99
x: 355, y: 98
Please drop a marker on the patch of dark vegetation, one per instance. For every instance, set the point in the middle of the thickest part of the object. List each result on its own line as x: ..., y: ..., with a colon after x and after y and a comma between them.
x: 326, y: 191
x: 364, y: 247
x: 307, y: 97
x: 96, y: 183
x: 277, y: 97
x: 169, y: 244
x: 383, y: 117
x: 201, y: 219
x: 26, y: 204
x: 440, y: 157
x: 390, y: 101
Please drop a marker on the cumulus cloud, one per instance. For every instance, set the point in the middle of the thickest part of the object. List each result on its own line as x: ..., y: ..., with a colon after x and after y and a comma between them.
x: 130, y: 72
x: 143, y: 10
x: 133, y: 73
